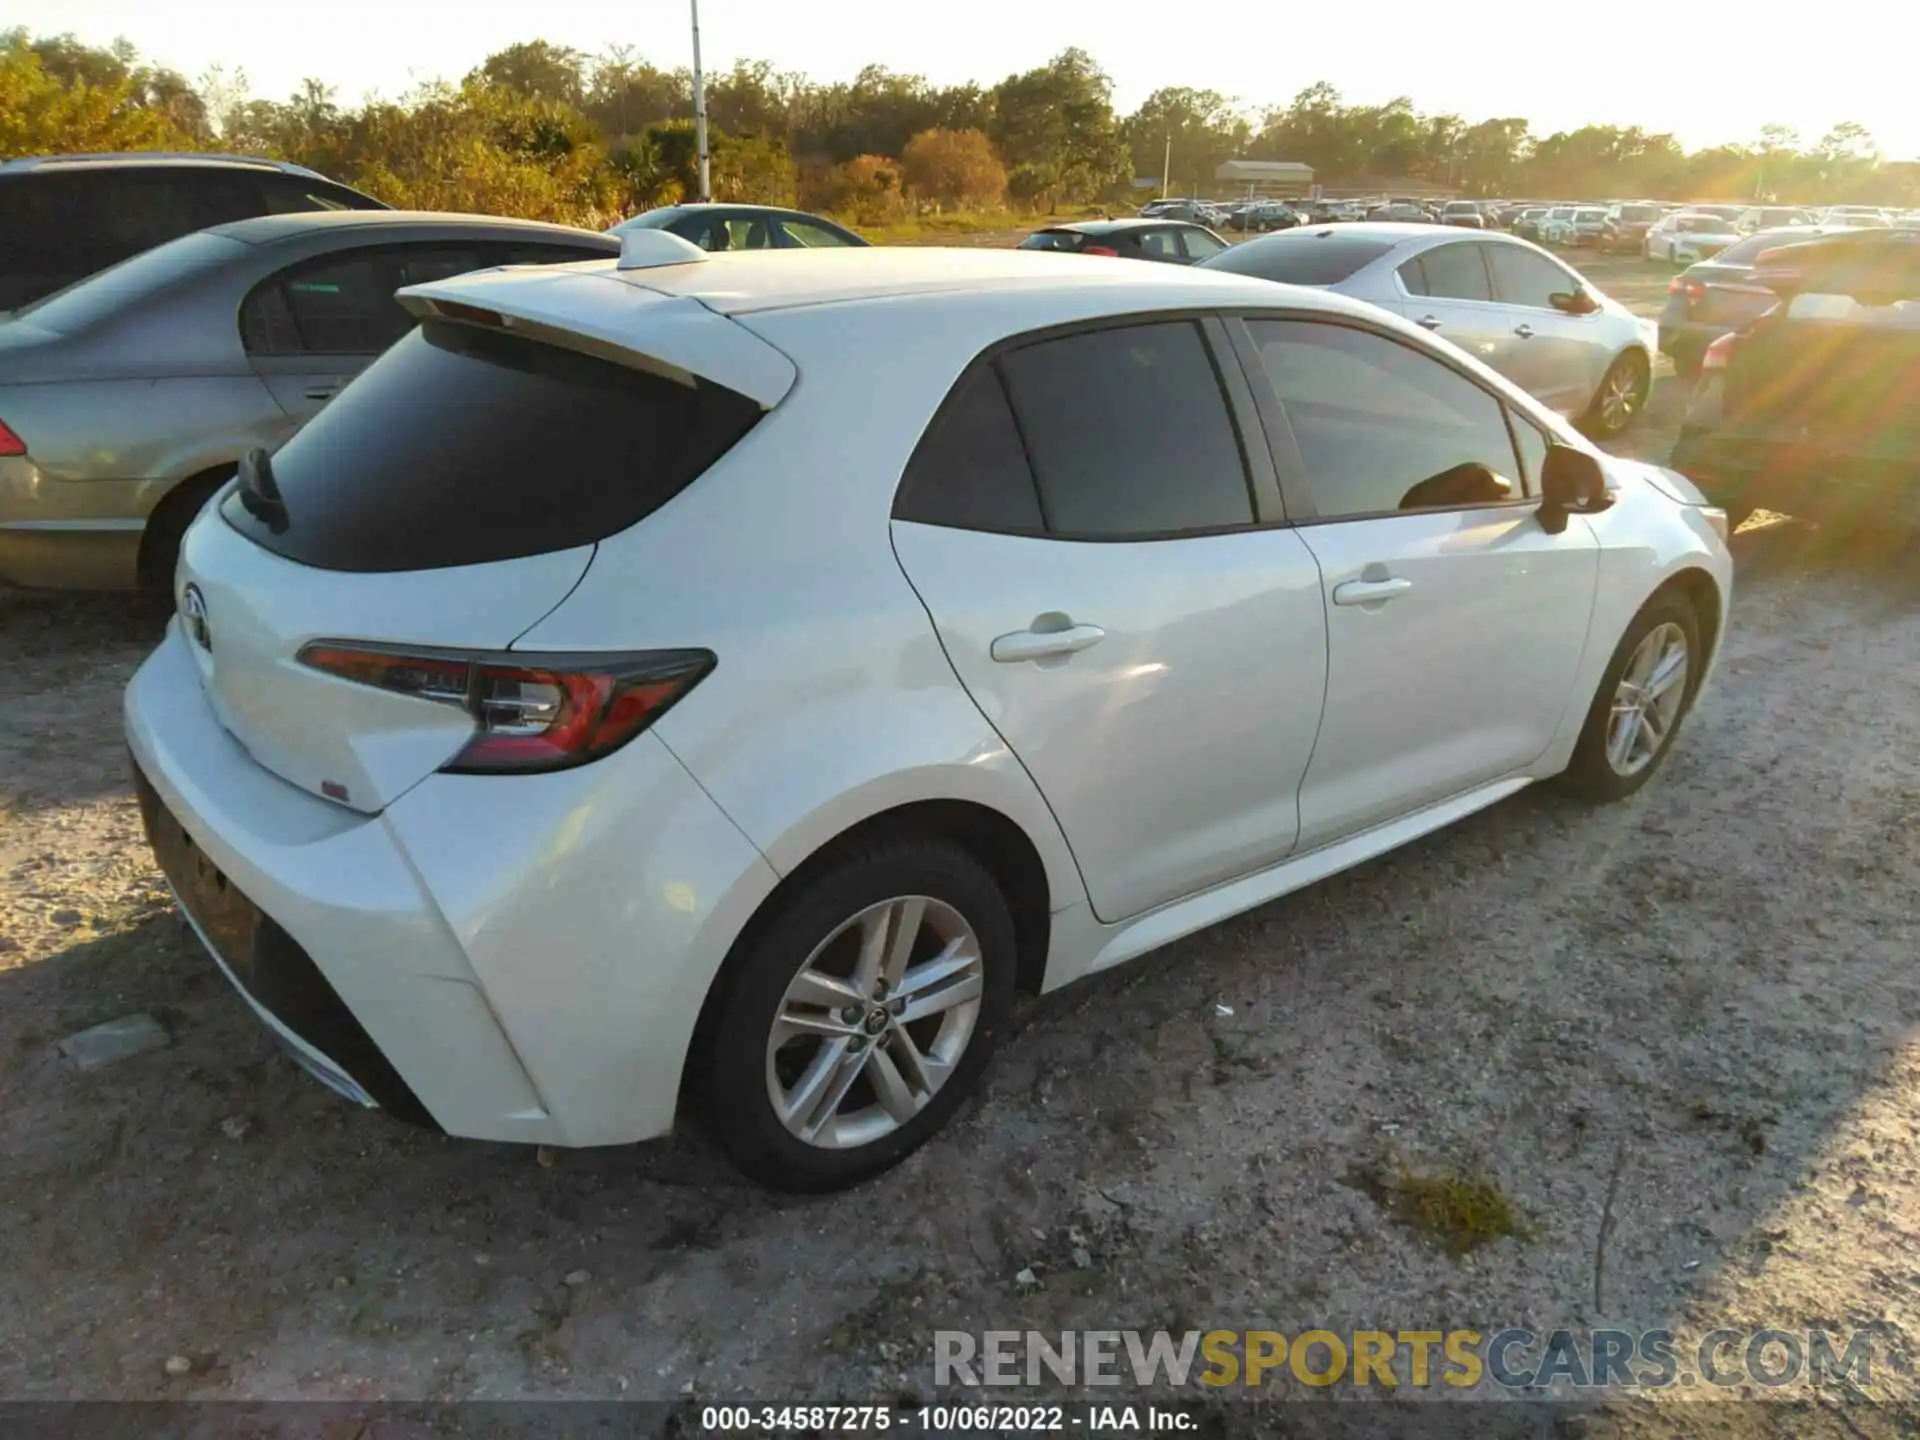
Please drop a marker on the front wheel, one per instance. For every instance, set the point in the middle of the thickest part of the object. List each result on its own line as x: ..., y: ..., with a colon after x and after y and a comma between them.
x: 859, y: 1015
x: 1621, y: 396
x: 1644, y: 695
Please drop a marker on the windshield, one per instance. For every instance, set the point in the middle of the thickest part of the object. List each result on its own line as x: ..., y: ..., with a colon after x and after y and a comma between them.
x: 89, y: 301
x: 1323, y: 257
x: 1594, y: 215
x: 1638, y: 213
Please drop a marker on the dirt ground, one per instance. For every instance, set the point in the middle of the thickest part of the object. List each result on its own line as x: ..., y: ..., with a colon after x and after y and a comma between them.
x: 1705, y: 998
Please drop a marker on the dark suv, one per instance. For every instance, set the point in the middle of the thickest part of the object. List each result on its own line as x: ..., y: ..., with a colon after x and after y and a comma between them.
x: 68, y: 216
x: 1814, y: 407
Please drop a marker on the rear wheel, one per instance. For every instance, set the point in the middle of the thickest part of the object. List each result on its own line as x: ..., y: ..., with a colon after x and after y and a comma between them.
x: 1621, y: 396
x: 167, y: 527
x: 1644, y: 695
x: 860, y: 1015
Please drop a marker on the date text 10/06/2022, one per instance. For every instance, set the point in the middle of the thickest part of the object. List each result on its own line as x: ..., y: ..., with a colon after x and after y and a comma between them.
x: 944, y: 1419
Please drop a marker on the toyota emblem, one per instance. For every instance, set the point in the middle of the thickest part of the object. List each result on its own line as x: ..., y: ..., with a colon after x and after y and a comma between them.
x: 193, y: 609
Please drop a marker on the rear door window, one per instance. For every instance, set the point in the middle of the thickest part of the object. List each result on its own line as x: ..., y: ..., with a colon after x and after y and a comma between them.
x: 808, y: 236
x: 1450, y: 272
x: 462, y: 446
x: 343, y: 304
x: 1199, y: 245
x: 1129, y: 433
x: 1160, y: 244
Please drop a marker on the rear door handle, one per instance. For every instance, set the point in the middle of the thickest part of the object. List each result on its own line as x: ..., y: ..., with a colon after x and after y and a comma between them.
x: 1370, y: 592
x: 321, y: 392
x: 1045, y: 644
x: 1525, y: 332
x: 1431, y: 322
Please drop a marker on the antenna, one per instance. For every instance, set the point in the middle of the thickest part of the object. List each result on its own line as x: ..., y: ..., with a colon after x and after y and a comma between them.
x: 642, y: 249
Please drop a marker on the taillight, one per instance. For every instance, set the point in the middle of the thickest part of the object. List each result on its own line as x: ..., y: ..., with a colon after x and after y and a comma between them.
x: 1720, y: 353
x: 530, y: 712
x: 10, y: 443
x: 1691, y: 292
x: 1099, y: 250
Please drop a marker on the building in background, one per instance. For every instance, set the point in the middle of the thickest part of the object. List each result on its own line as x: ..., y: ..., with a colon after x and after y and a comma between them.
x: 1279, y: 179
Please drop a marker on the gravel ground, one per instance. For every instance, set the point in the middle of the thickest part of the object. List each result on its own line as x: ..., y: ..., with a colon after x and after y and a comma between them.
x: 1705, y: 998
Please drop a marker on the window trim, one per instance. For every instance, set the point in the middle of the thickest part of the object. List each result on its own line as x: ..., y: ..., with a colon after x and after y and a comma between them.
x: 1264, y: 490
x: 1291, y: 466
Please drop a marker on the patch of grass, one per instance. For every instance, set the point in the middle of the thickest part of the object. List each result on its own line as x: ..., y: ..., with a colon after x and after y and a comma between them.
x: 1456, y: 1211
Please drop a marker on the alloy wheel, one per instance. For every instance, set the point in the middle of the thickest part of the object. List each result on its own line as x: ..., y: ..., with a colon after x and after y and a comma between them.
x: 1646, y: 704
x: 1619, y: 397
x: 875, y: 1022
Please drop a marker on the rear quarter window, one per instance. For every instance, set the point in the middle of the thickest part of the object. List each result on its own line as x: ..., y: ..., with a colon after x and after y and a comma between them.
x: 463, y: 446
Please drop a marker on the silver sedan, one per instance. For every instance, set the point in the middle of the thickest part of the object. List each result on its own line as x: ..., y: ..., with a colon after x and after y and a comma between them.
x: 127, y: 399
x: 1504, y: 301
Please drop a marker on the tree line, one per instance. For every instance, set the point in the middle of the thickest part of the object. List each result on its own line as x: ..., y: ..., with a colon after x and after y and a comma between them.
x: 544, y: 131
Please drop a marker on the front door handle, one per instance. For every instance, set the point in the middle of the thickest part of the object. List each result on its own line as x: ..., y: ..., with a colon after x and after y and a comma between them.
x: 1045, y: 644
x: 321, y: 392
x: 1431, y: 322
x: 1525, y: 332
x: 1370, y: 592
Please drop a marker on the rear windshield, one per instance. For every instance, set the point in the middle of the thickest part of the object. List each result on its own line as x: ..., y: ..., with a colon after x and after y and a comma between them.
x: 461, y: 446
x: 1053, y: 240
x: 1634, y: 214
x: 1324, y: 257
x: 89, y: 301
x: 1751, y: 248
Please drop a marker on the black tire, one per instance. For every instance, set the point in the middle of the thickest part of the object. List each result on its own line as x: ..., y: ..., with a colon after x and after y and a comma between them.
x: 1590, y: 774
x: 167, y: 527
x: 1601, y: 423
x: 731, y: 1063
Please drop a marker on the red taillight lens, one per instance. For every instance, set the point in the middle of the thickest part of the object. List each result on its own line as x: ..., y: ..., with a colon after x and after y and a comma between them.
x: 1719, y: 353
x: 1099, y: 250
x: 531, y: 712
x: 1692, y: 292
x: 10, y: 443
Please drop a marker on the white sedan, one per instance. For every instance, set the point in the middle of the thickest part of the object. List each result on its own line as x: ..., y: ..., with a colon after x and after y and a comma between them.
x: 1687, y: 239
x: 729, y: 679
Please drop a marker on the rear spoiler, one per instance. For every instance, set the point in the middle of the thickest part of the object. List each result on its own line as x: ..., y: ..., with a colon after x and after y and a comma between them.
x: 594, y: 312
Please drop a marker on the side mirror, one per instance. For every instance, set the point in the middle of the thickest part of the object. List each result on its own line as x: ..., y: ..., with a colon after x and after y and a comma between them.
x: 1571, y: 483
x: 1573, y: 302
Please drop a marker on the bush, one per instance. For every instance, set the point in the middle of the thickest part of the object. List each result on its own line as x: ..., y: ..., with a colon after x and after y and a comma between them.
x: 953, y: 169
x: 866, y: 189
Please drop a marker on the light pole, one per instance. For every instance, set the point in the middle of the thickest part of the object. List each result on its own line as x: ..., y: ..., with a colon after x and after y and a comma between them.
x: 700, y: 111
x: 1166, y: 167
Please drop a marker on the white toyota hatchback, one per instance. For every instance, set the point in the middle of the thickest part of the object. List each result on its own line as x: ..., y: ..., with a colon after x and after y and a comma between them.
x: 720, y: 683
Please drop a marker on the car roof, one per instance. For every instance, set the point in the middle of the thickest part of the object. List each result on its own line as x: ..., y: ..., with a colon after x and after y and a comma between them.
x: 151, y: 159
x: 748, y: 282
x: 1116, y: 227
x: 695, y: 207
x: 272, y: 229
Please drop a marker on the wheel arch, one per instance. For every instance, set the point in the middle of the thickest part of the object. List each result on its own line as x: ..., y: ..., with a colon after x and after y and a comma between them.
x: 993, y: 838
x: 167, y: 510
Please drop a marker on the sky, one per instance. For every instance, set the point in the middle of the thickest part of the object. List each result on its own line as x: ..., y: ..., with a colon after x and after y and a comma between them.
x: 1704, y: 74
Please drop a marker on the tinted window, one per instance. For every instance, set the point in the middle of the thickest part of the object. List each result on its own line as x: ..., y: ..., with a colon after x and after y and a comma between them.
x: 1521, y: 277
x: 1200, y: 245
x: 1128, y: 432
x: 1161, y: 244
x: 1382, y: 427
x: 970, y: 470
x: 1451, y: 272
x: 460, y: 446
x: 343, y: 304
x: 1053, y: 240
x: 810, y: 236
x: 1318, y: 257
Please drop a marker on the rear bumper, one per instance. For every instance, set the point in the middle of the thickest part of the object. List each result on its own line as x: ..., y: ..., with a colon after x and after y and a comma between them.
x: 66, y: 536
x: 521, y: 962
x: 1738, y: 472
